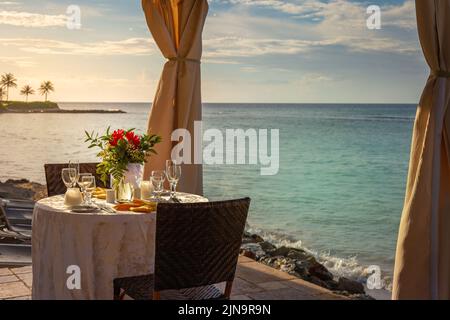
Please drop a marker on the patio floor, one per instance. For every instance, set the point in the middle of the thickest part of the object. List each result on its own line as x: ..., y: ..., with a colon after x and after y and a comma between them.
x: 254, y: 281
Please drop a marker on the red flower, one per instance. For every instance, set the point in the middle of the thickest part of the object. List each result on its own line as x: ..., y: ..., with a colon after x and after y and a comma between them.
x: 133, y: 138
x: 116, y: 136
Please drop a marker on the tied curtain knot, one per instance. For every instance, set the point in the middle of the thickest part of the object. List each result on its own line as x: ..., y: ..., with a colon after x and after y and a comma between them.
x: 183, y: 59
x: 440, y: 73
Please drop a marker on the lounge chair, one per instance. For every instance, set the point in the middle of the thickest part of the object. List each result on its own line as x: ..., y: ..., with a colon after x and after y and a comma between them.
x: 18, y: 212
x: 15, y: 238
x: 15, y: 255
x: 197, y: 246
x: 20, y: 230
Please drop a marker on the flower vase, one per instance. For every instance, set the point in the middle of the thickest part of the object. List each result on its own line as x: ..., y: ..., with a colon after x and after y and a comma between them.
x: 130, y: 182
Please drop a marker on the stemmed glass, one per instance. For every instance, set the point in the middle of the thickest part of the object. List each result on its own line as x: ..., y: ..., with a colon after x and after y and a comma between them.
x: 85, y: 181
x: 157, y: 178
x: 66, y: 175
x: 75, y: 173
x: 173, y: 173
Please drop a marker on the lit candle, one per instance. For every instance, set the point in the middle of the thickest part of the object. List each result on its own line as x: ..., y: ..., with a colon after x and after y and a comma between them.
x: 146, y: 190
x: 73, y: 197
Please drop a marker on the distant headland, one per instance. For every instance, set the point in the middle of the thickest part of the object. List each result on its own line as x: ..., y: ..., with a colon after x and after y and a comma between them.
x: 45, y: 107
x: 8, y: 81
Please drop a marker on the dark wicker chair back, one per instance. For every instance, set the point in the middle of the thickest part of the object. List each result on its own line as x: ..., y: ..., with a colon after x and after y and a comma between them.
x: 55, y: 184
x: 198, y: 244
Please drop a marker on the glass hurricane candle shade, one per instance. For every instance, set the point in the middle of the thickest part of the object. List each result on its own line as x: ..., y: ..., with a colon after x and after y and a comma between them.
x: 73, y: 197
x: 129, y: 182
x: 146, y: 190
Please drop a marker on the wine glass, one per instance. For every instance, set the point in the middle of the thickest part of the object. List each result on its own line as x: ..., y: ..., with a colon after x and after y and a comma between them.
x: 82, y: 185
x: 66, y: 175
x: 88, y: 183
x: 75, y: 175
x: 173, y: 173
x: 157, y: 178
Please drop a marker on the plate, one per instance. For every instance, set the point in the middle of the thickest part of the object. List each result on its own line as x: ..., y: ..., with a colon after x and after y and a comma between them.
x: 84, y: 209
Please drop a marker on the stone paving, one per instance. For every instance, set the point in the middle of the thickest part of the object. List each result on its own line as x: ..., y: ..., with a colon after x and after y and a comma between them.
x: 254, y: 281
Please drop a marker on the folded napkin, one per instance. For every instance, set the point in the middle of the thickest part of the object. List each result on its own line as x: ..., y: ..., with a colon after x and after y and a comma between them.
x: 144, y: 209
x: 137, y: 206
x: 99, y: 193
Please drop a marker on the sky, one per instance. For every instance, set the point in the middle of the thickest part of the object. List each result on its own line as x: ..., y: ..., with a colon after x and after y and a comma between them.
x: 298, y: 51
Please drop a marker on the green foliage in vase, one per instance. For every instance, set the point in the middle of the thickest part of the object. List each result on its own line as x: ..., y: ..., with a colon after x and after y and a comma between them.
x: 120, y: 148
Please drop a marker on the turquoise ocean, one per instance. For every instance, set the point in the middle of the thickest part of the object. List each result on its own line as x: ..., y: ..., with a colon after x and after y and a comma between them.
x: 338, y: 193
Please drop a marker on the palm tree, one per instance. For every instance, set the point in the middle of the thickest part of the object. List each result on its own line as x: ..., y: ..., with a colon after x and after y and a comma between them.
x: 27, y: 90
x: 8, y: 81
x: 45, y: 88
x: 2, y: 92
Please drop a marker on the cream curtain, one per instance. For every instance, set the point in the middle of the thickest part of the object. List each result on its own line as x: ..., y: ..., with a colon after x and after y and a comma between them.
x: 422, y: 265
x: 176, y: 26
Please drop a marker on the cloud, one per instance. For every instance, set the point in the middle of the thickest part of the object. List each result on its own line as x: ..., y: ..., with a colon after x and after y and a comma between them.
x: 342, y: 23
x: 131, y: 46
x: 402, y: 15
x: 32, y: 20
x: 22, y: 62
x: 312, y: 78
x: 289, y: 7
x: 232, y: 47
x: 332, y: 23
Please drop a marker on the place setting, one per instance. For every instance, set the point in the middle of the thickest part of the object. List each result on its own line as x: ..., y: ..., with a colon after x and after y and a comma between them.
x: 83, y: 196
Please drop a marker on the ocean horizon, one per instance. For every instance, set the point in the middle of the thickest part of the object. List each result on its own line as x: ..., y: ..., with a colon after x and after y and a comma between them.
x: 338, y: 194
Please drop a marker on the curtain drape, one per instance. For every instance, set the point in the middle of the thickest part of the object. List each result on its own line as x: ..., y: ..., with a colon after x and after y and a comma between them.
x: 176, y: 26
x: 422, y: 265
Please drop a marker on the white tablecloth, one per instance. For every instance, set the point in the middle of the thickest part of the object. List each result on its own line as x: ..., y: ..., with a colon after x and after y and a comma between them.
x: 104, y: 246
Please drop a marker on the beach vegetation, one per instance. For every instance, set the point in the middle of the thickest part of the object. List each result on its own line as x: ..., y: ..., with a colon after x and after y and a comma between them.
x: 26, y: 91
x: 27, y: 106
x: 45, y: 88
x: 7, y: 81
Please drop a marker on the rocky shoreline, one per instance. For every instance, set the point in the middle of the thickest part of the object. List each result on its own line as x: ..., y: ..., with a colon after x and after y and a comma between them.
x: 22, y: 189
x: 294, y: 261
x: 300, y: 264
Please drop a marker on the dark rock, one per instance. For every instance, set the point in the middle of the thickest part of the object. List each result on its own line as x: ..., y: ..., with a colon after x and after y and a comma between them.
x: 351, y: 286
x: 247, y: 235
x: 319, y: 271
x: 255, y: 248
x: 257, y: 238
x: 281, y: 251
x: 332, y: 284
x: 299, y: 254
x: 301, y: 267
x: 248, y: 254
x: 267, y: 246
x: 318, y: 282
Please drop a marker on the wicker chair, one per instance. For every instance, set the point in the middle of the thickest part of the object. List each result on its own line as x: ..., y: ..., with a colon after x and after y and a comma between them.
x: 197, y: 246
x: 56, y: 186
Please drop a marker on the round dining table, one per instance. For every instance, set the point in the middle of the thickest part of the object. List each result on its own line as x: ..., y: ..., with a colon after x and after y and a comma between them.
x: 78, y: 255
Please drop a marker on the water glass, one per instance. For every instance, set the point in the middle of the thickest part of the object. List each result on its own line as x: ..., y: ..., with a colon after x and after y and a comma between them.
x: 75, y: 173
x: 173, y: 173
x: 82, y: 184
x: 157, y: 178
x: 66, y: 175
x: 88, y: 183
